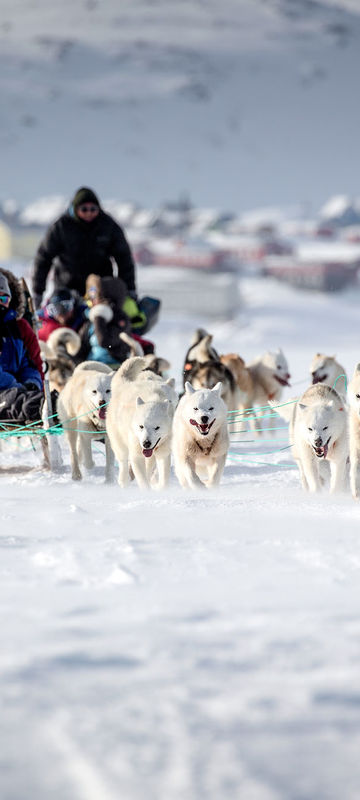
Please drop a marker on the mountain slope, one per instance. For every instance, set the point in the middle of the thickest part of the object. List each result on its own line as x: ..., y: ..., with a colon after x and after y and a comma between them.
x: 237, y: 105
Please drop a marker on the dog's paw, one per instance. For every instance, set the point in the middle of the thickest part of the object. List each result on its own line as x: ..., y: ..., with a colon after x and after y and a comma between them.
x: 76, y: 475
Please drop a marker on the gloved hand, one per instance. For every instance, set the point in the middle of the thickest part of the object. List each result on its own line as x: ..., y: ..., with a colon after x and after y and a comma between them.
x: 37, y: 298
x: 130, y: 307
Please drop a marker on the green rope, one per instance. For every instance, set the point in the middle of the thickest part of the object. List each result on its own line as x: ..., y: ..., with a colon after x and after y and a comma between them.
x: 345, y: 381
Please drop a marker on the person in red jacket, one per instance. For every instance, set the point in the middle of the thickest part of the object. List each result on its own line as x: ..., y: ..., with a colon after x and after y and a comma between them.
x: 64, y: 309
x: 21, y: 378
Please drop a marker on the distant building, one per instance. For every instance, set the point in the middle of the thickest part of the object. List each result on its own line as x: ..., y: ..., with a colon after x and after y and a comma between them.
x: 5, y: 242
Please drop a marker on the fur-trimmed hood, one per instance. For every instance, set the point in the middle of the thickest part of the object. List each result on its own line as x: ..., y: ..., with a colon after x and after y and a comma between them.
x: 17, y: 302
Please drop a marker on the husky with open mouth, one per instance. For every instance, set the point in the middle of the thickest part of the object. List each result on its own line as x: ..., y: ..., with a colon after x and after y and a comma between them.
x: 325, y: 369
x: 81, y: 409
x: 200, y: 437
x: 269, y: 374
x: 318, y: 434
x: 139, y: 423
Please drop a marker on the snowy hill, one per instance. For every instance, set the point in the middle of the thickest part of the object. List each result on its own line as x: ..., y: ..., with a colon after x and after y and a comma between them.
x: 238, y: 105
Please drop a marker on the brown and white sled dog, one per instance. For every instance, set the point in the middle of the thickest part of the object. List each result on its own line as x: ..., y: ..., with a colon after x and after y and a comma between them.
x: 269, y: 374
x: 354, y: 432
x: 82, y: 414
x: 200, y: 437
x: 139, y: 422
x: 325, y: 369
x: 58, y: 352
x: 318, y: 434
x: 243, y: 378
x: 204, y: 368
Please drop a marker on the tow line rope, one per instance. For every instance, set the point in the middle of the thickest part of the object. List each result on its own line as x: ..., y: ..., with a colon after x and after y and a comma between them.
x: 36, y: 428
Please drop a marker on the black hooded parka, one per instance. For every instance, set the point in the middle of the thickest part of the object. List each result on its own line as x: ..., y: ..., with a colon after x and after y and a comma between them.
x: 77, y: 248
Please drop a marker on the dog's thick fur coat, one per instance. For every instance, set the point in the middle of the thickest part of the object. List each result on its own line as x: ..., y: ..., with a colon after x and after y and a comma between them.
x: 200, y: 437
x: 139, y: 422
x: 204, y: 368
x: 318, y: 433
x: 325, y: 369
x: 82, y: 420
x: 354, y: 432
x: 269, y: 373
x: 58, y: 351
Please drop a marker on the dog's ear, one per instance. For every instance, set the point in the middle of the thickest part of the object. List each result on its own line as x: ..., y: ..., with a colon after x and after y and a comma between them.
x: 357, y: 368
x: 188, y: 388
x: 217, y: 388
x: 139, y: 401
x: 170, y: 382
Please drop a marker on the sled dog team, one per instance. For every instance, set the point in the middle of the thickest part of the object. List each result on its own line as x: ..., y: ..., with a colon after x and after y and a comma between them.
x: 136, y: 411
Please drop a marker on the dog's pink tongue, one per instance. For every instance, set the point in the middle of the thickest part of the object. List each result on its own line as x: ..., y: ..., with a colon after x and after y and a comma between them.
x: 147, y: 451
x: 102, y: 413
x: 204, y: 427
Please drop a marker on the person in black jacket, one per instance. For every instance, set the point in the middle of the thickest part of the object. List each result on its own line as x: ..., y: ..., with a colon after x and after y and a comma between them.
x: 84, y: 240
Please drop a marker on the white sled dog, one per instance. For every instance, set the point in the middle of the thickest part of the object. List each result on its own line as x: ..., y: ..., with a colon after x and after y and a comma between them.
x: 200, y: 437
x: 269, y: 374
x: 139, y: 422
x: 82, y: 420
x: 325, y: 369
x: 318, y: 433
x: 354, y: 432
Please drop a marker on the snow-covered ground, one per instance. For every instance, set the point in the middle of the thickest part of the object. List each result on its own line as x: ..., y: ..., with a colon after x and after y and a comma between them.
x: 181, y: 646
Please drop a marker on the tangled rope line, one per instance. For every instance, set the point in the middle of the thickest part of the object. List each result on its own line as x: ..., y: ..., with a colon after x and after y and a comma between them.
x: 234, y: 418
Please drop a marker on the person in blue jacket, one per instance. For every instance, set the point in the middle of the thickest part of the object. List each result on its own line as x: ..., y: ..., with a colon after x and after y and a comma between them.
x: 21, y: 385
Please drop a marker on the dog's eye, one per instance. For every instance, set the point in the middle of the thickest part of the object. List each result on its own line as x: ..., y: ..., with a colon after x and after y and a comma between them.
x: 211, y: 408
x: 141, y: 427
x: 94, y: 391
x: 157, y: 428
x: 196, y: 409
x: 309, y: 429
x: 108, y: 391
x: 325, y: 427
x: 358, y: 396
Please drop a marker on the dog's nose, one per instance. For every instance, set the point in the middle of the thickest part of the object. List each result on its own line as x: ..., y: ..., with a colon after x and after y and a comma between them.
x: 204, y: 419
x: 147, y: 444
x: 318, y: 441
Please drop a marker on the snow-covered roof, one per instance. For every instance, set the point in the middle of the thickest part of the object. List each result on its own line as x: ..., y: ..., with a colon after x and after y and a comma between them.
x: 341, y: 206
x: 44, y: 210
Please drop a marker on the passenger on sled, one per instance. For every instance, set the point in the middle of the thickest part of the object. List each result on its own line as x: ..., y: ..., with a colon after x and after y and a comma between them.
x: 21, y: 380
x: 110, y: 332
